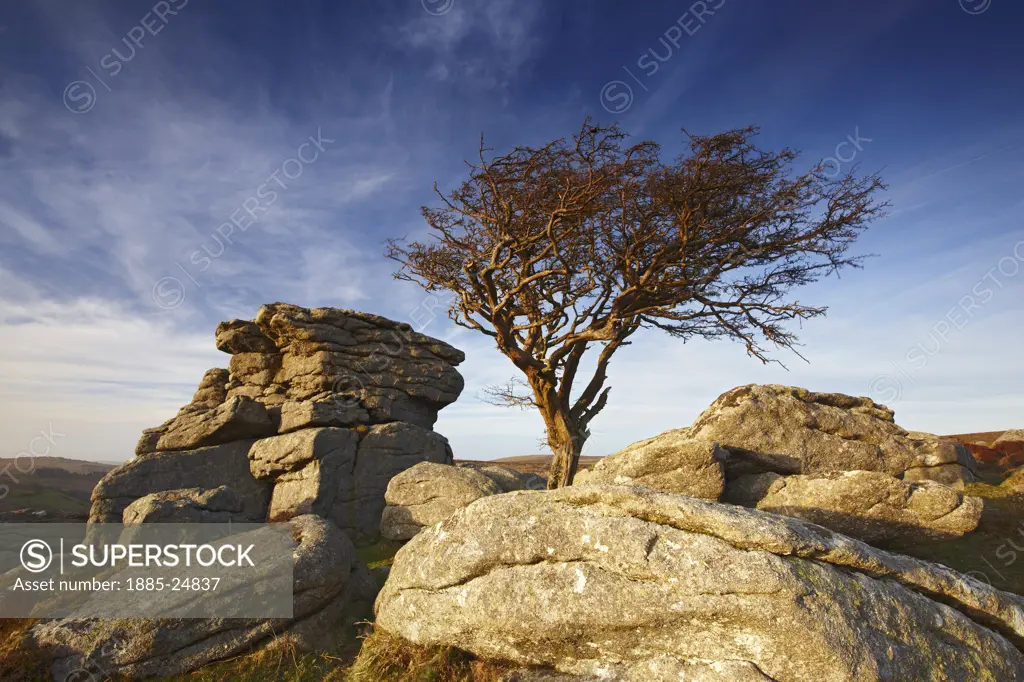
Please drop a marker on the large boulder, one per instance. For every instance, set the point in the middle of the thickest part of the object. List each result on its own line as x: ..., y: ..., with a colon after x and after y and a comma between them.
x: 308, y: 467
x: 790, y: 430
x: 294, y: 367
x: 507, y: 478
x: 332, y: 587
x: 197, y: 425
x: 191, y: 505
x: 428, y: 493
x: 333, y: 403
x: 631, y: 584
x: 670, y: 462
x: 341, y: 474
x: 206, y: 468
x: 384, y: 452
x: 1011, y: 446
x: 873, y: 506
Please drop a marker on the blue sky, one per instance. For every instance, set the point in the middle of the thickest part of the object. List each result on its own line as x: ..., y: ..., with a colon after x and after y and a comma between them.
x: 130, y: 133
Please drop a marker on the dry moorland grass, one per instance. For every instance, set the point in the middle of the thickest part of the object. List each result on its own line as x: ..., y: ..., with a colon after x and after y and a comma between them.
x: 18, y: 661
x: 381, y: 658
x: 280, y: 663
x: 386, y: 658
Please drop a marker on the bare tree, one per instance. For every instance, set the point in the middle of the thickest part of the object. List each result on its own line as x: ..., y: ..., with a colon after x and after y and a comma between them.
x: 555, y: 250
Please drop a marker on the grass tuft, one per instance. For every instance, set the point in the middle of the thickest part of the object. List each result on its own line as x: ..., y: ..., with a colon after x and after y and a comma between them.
x: 279, y: 662
x: 18, y: 659
x: 386, y: 658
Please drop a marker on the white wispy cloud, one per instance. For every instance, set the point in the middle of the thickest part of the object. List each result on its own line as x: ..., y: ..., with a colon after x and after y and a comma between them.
x: 96, y: 208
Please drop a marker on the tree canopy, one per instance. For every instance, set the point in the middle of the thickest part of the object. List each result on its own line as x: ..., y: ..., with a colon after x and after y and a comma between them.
x: 577, y: 244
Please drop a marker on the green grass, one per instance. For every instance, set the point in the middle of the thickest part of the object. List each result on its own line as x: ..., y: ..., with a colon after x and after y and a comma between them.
x: 986, y: 553
x: 380, y: 553
x: 28, y: 494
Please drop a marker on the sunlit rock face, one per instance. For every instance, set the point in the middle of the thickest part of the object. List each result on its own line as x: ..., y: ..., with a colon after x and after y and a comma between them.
x: 318, y: 409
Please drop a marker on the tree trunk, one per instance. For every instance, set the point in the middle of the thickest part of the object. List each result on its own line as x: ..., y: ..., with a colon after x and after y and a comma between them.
x: 564, y: 464
x: 566, y: 444
x: 565, y: 437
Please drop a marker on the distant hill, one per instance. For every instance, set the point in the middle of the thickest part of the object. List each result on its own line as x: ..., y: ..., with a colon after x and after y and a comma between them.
x: 983, y: 437
x: 533, y: 464
x: 56, y: 484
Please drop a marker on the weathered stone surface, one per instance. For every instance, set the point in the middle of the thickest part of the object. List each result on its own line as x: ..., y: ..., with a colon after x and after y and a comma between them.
x: 395, y: 373
x: 428, y: 493
x: 748, y: 490
x: 950, y: 475
x: 1014, y: 481
x: 236, y: 419
x: 190, y: 505
x: 294, y: 451
x: 243, y: 336
x: 208, y: 467
x: 606, y: 580
x: 323, y: 412
x: 507, y: 478
x: 340, y: 474
x: 255, y: 369
x: 317, y: 367
x: 670, y: 462
x: 384, y: 452
x: 331, y: 587
x: 308, y: 468
x: 353, y: 396
x: 875, y: 507
x: 539, y: 675
x: 1011, y: 446
x: 212, y: 389
x: 791, y: 430
x: 150, y: 437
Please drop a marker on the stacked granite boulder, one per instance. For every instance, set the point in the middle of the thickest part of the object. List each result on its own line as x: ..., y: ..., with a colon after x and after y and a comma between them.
x: 791, y: 430
x: 319, y: 408
x: 840, y: 461
x: 428, y: 493
x: 615, y: 582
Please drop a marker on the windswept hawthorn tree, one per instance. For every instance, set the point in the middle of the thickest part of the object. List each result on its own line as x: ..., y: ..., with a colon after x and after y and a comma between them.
x: 576, y: 245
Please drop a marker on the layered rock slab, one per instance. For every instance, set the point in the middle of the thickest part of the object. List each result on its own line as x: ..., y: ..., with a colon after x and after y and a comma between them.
x: 670, y: 462
x: 331, y: 586
x: 341, y: 474
x: 605, y: 580
x: 191, y: 505
x: 872, y: 506
x: 204, y: 468
x: 790, y: 430
x: 428, y: 493
x: 294, y: 367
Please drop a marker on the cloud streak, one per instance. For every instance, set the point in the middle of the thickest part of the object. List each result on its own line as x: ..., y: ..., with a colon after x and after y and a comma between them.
x: 160, y: 174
